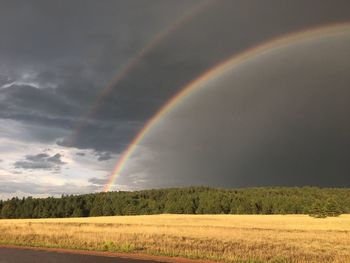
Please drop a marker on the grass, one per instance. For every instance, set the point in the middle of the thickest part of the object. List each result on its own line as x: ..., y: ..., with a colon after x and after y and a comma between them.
x: 227, y: 238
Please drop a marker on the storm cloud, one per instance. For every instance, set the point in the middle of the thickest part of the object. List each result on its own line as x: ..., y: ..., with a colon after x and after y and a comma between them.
x: 277, y: 119
x: 57, y: 58
x: 40, y: 161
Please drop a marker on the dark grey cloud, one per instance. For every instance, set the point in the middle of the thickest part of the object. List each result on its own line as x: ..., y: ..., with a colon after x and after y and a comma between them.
x: 41, y: 161
x: 277, y: 119
x: 4, y: 80
x: 72, y: 53
x: 104, y: 156
x: 24, y: 98
x: 55, y: 159
x: 80, y: 154
x: 103, y: 136
x: 185, y: 55
x: 57, y: 58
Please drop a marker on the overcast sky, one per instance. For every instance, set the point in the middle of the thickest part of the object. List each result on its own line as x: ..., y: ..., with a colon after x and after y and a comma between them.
x: 278, y: 119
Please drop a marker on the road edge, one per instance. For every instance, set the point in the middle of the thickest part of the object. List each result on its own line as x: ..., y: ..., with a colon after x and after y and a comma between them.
x: 137, y: 256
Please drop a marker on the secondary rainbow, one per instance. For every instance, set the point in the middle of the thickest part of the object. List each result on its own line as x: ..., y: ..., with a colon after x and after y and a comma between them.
x: 215, y: 72
x: 135, y: 60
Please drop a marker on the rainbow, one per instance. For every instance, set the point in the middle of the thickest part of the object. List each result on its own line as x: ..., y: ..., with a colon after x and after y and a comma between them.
x: 213, y: 73
x: 135, y: 60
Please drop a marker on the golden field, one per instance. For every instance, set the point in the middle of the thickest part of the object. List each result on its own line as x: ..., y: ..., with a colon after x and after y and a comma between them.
x: 227, y: 238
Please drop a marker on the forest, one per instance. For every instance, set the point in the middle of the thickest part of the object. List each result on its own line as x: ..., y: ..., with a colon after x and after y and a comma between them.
x: 318, y: 202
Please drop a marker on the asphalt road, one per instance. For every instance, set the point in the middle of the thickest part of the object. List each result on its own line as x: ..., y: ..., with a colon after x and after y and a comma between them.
x: 14, y: 255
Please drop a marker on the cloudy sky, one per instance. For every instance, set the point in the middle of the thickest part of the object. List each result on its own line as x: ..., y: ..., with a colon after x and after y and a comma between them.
x: 280, y: 118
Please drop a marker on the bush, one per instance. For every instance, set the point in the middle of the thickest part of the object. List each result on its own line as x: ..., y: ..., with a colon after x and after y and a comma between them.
x: 332, y: 207
x: 321, y: 209
x: 318, y: 210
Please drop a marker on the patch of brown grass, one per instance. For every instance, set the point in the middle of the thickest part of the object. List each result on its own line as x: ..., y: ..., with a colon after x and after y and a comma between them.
x: 228, y: 238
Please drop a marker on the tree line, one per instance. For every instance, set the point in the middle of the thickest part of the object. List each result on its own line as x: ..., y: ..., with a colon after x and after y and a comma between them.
x: 319, y: 202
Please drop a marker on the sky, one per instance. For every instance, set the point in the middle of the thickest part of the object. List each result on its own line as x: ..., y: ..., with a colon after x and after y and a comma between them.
x: 79, y: 80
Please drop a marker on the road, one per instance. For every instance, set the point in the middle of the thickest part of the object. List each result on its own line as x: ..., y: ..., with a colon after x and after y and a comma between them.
x: 15, y: 255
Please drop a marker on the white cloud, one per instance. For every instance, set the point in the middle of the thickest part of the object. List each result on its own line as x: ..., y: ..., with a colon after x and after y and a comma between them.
x: 27, y: 161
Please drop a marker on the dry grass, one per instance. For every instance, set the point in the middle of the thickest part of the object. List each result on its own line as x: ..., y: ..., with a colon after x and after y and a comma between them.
x: 228, y: 238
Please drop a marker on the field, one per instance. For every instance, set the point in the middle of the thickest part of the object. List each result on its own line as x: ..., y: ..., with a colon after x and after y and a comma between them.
x: 227, y: 238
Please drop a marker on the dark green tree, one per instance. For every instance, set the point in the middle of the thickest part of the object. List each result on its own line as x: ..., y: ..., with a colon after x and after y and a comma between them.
x: 332, y: 207
x: 318, y: 210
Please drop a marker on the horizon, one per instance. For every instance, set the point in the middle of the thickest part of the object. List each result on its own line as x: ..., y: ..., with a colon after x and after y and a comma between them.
x: 185, y: 188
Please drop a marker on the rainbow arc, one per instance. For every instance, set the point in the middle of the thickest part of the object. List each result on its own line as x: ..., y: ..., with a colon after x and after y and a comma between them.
x: 215, y: 72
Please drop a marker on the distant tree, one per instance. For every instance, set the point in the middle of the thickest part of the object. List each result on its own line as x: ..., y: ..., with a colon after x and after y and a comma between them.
x: 243, y: 206
x: 332, y: 207
x: 107, y: 207
x: 97, y: 207
x: 78, y: 212
x: 210, y: 203
x: 318, y: 202
x: 8, y: 210
x: 322, y: 209
x: 318, y: 210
